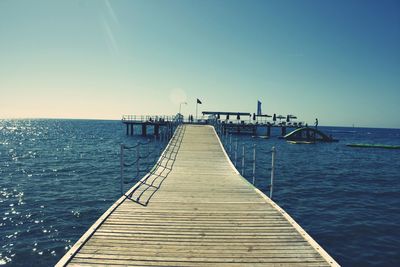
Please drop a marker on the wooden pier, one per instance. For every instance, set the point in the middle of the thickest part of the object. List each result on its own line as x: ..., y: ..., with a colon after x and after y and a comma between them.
x: 195, y: 209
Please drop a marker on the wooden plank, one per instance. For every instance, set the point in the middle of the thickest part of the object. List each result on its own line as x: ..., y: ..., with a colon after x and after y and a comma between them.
x: 291, y: 247
x: 195, y: 249
x: 198, y: 262
x: 90, y: 262
x: 203, y: 213
x: 233, y: 259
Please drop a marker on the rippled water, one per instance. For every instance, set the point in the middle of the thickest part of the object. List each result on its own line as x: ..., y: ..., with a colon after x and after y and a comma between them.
x: 347, y: 199
x: 58, y: 176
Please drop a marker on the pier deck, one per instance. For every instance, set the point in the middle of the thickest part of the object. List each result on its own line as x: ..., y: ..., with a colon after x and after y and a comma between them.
x: 198, y: 211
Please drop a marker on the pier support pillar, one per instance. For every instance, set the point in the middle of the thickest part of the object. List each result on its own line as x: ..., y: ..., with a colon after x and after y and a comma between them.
x: 131, y: 129
x: 156, y: 130
x: 144, y: 129
x: 127, y: 129
x: 283, y: 130
x: 268, y: 130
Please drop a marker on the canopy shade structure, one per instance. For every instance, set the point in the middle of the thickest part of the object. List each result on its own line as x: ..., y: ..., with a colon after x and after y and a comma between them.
x: 280, y: 117
x: 264, y: 116
x: 226, y: 113
x: 261, y: 117
x: 289, y: 117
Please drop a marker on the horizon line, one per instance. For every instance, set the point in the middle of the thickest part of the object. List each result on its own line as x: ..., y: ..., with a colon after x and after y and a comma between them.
x: 104, y: 119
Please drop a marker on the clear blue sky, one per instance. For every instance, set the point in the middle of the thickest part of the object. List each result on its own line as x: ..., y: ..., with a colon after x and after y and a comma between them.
x: 335, y: 60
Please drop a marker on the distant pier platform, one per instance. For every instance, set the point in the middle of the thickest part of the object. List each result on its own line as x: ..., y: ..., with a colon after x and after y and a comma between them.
x: 242, y: 125
x: 144, y: 121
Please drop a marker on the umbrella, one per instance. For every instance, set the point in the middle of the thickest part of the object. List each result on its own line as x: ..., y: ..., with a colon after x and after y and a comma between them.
x: 280, y: 117
x: 264, y: 115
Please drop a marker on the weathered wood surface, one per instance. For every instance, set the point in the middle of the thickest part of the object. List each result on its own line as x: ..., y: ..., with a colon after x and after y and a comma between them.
x: 199, y: 212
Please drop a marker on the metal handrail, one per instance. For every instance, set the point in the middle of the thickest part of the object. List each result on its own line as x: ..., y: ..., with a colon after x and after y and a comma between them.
x: 172, y: 145
x: 160, y: 163
x: 152, y: 152
x: 130, y: 164
x: 232, y: 148
x: 137, y: 144
x: 145, y: 118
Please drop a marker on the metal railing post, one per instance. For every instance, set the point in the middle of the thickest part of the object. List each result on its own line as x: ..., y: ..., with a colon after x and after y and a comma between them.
x: 230, y: 144
x: 236, y: 148
x: 137, y: 159
x: 148, y: 150
x: 273, y: 151
x: 122, y: 169
x: 226, y: 142
x: 254, y: 164
x: 243, y: 160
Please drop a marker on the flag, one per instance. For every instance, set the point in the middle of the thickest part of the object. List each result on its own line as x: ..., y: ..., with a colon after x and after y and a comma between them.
x: 258, y: 107
x: 198, y: 101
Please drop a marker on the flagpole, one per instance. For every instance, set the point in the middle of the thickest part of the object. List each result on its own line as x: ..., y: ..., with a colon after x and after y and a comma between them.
x: 197, y: 104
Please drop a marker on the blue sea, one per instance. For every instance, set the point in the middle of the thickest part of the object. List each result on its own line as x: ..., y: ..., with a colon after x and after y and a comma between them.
x: 58, y: 176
